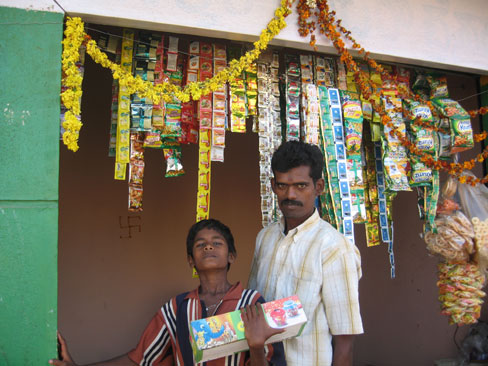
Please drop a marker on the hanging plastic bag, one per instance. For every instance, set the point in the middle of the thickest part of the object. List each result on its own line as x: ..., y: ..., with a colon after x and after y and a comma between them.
x: 474, y: 200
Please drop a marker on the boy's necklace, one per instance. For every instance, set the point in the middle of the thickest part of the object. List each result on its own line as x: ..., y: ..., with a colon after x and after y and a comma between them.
x: 214, y: 307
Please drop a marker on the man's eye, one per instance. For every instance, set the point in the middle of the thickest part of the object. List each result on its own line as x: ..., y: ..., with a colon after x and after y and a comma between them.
x: 301, y: 185
x: 217, y: 243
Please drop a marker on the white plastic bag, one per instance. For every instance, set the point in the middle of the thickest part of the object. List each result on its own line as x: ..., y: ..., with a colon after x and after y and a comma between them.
x: 474, y: 200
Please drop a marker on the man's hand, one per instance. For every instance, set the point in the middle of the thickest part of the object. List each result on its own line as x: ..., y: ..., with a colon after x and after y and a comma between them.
x: 257, y: 330
x: 66, y: 359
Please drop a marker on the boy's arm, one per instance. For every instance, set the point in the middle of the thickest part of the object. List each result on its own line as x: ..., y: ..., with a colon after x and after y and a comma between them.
x: 66, y: 359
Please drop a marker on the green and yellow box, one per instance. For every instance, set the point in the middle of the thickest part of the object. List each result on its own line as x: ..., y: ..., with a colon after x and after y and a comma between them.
x: 222, y: 335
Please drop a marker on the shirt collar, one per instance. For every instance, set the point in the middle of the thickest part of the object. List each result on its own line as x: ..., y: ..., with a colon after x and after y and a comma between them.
x: 302, y: 227
x: 234, y: 293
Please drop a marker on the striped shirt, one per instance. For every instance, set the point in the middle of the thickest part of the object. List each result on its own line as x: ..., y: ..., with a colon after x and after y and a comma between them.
x: 166, y: 340
x: 317, y: 263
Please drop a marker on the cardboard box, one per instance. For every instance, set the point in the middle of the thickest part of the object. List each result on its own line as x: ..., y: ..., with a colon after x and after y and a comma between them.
x: 221, y: 335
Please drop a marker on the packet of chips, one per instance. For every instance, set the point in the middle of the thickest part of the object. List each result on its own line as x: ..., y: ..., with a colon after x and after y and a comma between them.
x: 420, y: 174
x: 396, y: 169
x: 443, y: 145
x: 449, y: 108
x: 421, y: 86
x: 461, y: 135
x: 135, y: 198
x: 423, y: 138
x: 438, y: 86
x: 174, y: 168
x: 414, y: 109
x: 353, y: 122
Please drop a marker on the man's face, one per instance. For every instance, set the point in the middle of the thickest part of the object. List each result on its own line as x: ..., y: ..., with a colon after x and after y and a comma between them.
x: 296, y: 194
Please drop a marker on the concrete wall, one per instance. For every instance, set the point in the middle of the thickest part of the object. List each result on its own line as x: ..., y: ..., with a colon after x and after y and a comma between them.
x: 30, y: 70
x: 445, y: 34
x: 111, y: 285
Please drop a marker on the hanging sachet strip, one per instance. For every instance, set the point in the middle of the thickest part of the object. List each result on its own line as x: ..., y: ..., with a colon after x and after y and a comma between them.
x: 159, y: 110
x: 114, y: 106
x: 311, y: 116
x: 383, y: 207
x: 238, y: 99
x: 219, y: 106
x: 292, y: 98
x: 269, y: 131
x: 328, y: 199
x: 306, y: 79
x: 205, y: 134
x: 324, y: 74
x: 353, y: 130
x: 204, y: 170
x: 252, y: 93
x: 123, y: 110
x: 371, y: 191
x: 136, y: 171
x: 340, y: 150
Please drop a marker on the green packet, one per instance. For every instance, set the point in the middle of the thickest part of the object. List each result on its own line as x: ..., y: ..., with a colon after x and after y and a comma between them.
x: 420, y: 174
x: 449, y: 108
x: 461, y: 135
x: 424, y: 139
x: 418, y: 110
x: 438, y: 85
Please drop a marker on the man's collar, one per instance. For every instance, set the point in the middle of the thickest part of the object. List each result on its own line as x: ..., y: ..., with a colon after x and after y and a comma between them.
x: 303, y: 226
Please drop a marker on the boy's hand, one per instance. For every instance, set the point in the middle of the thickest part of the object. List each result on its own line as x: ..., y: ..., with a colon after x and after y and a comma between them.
x: 257, y: 330
x: 66, y: 359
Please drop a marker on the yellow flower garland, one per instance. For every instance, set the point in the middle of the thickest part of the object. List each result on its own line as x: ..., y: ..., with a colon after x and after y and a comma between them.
x: 72, y: 79
x: 74, y: 37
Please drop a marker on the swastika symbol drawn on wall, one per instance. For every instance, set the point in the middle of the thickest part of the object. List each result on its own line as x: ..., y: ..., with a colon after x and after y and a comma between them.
x: 132, y: 224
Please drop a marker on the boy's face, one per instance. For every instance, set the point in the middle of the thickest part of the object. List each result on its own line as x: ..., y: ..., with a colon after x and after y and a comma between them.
x: 210, y: 251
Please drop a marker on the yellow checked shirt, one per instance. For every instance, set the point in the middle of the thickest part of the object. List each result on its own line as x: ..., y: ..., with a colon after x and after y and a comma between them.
x: 322, y: 267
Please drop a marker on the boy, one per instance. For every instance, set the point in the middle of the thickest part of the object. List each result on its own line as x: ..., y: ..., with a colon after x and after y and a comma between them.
x: 210, y: 251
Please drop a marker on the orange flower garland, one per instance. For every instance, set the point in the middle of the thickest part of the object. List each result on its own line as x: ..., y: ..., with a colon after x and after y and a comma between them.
x: 327, y: 26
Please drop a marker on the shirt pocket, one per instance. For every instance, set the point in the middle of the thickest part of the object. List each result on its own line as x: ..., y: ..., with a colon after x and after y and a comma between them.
x: 308, y: 290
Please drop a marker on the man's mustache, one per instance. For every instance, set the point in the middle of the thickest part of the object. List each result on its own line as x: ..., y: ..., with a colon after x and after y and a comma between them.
x: 287, y: 202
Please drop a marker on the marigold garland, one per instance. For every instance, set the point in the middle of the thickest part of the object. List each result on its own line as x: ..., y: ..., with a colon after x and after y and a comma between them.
x: 327, y: 24
x: 75, y: 36
x: 72, y: 80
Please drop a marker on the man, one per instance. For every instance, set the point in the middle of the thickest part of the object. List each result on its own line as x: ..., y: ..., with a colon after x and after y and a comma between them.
x: 303, y: 255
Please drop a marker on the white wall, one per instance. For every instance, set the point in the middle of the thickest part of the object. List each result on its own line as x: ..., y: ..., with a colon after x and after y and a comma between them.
x: 448, y: 34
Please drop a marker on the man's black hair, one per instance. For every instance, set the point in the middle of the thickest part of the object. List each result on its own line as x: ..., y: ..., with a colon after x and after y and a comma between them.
x: 292, y: 154
x: 210, y: 224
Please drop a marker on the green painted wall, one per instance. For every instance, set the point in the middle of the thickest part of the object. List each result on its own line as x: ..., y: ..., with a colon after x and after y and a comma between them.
x: 30, y: 71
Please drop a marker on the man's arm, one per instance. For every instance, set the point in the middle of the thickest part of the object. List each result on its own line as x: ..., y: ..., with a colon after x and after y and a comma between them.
x: 343, y: 345
x: 66, y: 359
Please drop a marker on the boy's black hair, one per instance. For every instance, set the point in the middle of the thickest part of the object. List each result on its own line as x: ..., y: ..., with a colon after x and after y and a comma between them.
x: 292, y: 154
x: 214, y: 225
